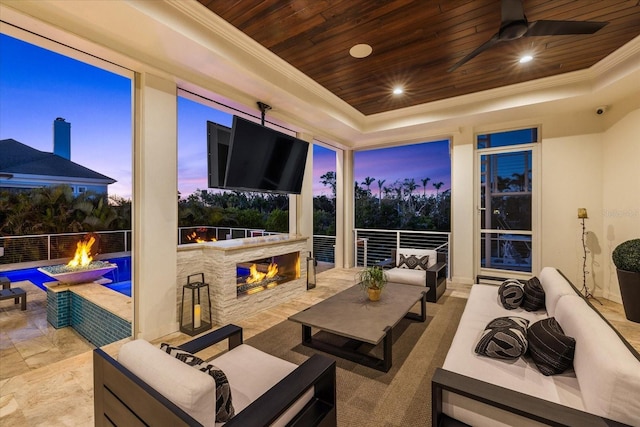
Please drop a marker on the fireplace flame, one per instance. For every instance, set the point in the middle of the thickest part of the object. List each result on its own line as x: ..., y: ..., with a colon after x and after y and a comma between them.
x: 256, y: 276
x: 193, y: 237
x: 82, y: 256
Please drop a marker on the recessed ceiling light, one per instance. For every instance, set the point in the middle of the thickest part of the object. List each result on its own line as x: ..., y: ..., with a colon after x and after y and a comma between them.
x: 360, y: 51
x: 525, y: 58
x: 398, y: 90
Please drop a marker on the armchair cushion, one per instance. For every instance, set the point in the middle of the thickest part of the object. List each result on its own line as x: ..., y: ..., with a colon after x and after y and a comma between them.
x: 252, y: 372
x: 224, y: 402
x: 224, y: 405
x: 188, y: 388
x: 407, y: 276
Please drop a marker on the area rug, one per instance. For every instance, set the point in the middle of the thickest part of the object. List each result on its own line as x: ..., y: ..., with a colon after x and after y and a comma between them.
x: 367, y: 397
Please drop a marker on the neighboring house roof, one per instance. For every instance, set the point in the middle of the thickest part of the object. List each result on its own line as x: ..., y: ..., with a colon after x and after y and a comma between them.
x: 18, y: 158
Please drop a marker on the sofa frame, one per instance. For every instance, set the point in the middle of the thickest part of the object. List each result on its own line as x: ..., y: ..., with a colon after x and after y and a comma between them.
x: 123, y: 399
x: 527, y: 406
x: 524, y: 405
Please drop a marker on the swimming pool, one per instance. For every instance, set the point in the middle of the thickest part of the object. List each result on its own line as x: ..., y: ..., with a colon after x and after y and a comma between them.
x: 120, y: 276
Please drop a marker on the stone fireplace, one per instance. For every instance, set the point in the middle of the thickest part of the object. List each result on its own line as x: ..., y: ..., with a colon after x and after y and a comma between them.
x: 227, y: 263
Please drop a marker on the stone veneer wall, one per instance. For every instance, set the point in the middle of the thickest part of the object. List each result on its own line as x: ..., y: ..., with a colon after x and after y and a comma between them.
x: 94, y: 323
x: 219, y: 267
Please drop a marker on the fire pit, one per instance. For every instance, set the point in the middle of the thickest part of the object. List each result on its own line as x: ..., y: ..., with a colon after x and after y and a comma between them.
x: 82, y: 268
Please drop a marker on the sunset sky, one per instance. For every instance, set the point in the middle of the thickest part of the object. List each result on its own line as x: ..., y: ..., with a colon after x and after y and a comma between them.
x: 37, y: 86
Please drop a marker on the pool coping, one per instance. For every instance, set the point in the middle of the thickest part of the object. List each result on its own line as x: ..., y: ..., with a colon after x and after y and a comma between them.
x: 108, y: 299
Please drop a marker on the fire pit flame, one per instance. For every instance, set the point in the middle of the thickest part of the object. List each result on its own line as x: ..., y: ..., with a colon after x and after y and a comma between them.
x: 82, y: 256
x: 193, y: 237
x: 82, y: 268
x: 256, y: 276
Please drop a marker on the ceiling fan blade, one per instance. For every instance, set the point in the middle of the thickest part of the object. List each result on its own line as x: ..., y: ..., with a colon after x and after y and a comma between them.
x: 512, y: 10
x: 488, y: 44
x: 558, y: 28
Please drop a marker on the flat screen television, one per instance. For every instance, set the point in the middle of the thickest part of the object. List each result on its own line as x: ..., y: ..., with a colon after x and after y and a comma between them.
x: 263, y: 159
x: 218, y: 137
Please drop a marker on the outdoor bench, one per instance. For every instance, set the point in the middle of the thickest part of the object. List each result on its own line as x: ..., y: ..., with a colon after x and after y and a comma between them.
x: 18, y: 294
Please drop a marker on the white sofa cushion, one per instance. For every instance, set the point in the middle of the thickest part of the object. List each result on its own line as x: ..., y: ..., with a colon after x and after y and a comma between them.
x: 251, y: 373
x: 406, y: 276
x: 555, y: 286
x: 433, y: 255
x: 191, y: 390
x: 609, y: 375
x: 520, y: 374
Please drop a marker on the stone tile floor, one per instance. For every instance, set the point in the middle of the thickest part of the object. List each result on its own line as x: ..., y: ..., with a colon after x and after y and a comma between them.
x: 46, y: 374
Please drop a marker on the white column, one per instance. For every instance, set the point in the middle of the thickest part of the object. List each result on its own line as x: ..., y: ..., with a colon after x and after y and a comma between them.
x: 344, y: 209
x: 463, y: 207
x: 301, y: 206
x: 155, y: 207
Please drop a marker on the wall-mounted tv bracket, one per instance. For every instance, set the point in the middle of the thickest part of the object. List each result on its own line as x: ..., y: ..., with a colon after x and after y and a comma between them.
x: 263, y: 109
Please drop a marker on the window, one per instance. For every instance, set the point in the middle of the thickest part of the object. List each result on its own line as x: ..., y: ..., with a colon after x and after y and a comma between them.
x: 506, y: 202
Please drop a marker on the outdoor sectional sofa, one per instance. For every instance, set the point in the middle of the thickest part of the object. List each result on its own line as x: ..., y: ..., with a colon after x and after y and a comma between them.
x: 148, y: 386
x: 601, y: 389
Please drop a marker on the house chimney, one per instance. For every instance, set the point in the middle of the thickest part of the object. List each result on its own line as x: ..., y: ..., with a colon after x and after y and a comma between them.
x: 62, y: 138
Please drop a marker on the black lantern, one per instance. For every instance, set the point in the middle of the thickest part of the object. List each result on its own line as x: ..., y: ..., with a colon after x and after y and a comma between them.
x: 311, y: 272
x: 192, y: 321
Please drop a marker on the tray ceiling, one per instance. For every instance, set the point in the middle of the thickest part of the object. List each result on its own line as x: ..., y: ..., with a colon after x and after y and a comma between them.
x: 415, y: 42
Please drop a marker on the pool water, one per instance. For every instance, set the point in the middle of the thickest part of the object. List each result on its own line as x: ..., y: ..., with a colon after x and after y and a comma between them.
x: 120, y: 276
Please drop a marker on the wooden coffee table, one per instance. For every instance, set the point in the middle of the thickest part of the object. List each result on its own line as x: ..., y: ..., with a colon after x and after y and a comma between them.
x: 351, y: 315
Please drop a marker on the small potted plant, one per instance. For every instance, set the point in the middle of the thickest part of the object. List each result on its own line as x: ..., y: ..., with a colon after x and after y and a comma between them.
x: 372, y: 280
x: 626, y: 258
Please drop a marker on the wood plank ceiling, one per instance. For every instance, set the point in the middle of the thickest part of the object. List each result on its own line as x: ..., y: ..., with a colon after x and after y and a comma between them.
x: 415, y: 43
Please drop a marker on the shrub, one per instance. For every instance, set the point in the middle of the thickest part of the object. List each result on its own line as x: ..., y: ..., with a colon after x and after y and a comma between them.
x: 626, y: 256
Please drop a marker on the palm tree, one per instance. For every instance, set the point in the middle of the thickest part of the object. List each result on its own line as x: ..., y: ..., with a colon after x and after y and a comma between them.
x: 329, y: 179
x: 425, y: 181
x: 437, y: 185
x: 410, y: 185
x: 367, y: 182
x: 380, y: 182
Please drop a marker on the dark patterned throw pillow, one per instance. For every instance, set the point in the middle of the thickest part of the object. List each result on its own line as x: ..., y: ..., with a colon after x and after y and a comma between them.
x: 551, y: 350
x: 533, y: 295
x: 181, y: 355
x: 224, y: 404
x: 504, y: 338
x: 413, y: 262
x: 511, y: 293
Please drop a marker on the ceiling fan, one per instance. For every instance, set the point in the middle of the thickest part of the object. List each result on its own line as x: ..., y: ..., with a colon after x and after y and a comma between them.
x: 514, y: 25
